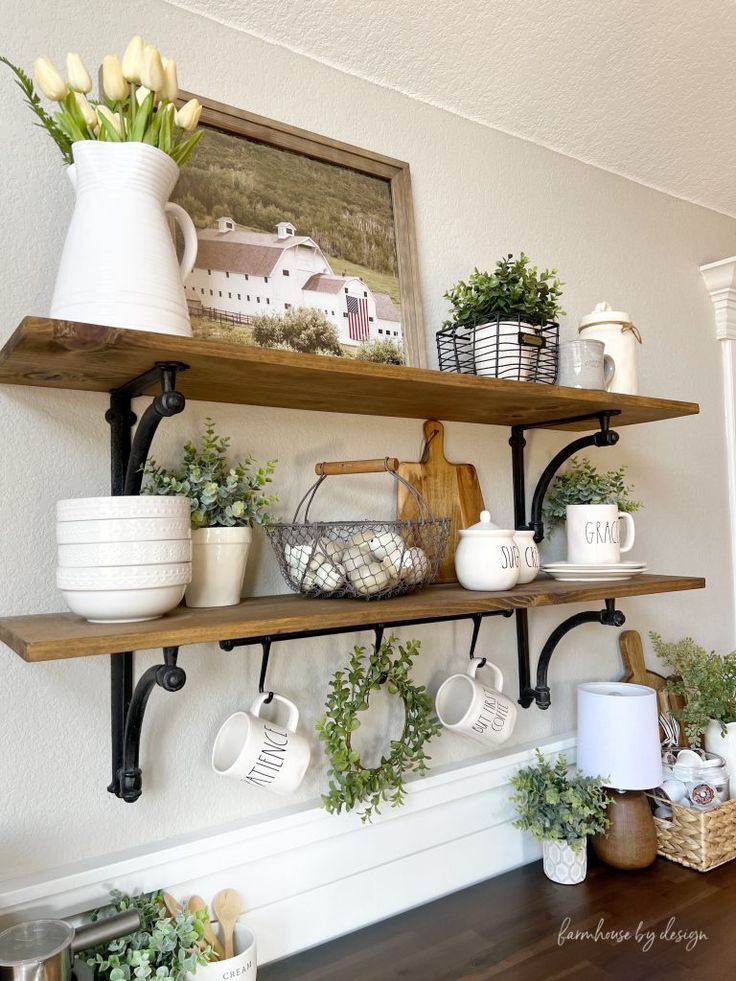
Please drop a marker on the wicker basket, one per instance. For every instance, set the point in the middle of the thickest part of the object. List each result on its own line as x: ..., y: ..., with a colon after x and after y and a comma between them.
x: 702, y: 840
x: 359, y: 559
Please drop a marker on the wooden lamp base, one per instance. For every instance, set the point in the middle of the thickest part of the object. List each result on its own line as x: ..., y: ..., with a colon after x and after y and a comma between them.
x: 631, y: 840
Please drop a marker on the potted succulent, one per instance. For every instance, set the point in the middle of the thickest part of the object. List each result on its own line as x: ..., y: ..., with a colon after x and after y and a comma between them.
x: 123, y: 150
x: 500, y: 308
x: 165, y: 947
x: 707, y: 681
x: 226, y: 503
x: 591, y: 503
x: 560, y: 810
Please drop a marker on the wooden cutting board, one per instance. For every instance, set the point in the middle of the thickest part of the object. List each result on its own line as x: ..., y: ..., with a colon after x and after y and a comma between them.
x: 452, y: 490
x: 632, y: 654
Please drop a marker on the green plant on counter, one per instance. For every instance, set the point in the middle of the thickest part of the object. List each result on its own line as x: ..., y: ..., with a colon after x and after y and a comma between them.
x: 583, y: 484
x: 164, y: 947
x: 351, y: 785
x: 515, y: 289
x: 220, y: 495
x: 707, y: 682
x: 553, y: 805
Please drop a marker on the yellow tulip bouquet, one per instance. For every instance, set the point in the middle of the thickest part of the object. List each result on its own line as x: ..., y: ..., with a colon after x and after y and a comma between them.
x: 137, y: 102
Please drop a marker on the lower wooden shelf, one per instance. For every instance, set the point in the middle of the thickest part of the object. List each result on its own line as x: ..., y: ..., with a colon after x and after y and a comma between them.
x: 54, y: 636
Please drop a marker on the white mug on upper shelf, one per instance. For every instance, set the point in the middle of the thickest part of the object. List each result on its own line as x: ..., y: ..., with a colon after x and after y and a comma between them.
x: 262, y: 753
x: 467, y: 706
x: 593, y: 536
x: 583, y: 363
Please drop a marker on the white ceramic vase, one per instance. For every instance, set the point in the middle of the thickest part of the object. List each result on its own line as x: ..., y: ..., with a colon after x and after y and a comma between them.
x: 219, y: 559
x: 723, y: 745
x: 118, y: 267
x: 564, y: 865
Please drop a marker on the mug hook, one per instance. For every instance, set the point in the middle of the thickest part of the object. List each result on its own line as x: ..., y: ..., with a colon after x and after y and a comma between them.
x: 477, y: 619
x: 266, y: 645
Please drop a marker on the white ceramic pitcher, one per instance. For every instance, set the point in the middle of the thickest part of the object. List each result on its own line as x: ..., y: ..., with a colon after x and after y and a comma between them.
x: 119, y: 266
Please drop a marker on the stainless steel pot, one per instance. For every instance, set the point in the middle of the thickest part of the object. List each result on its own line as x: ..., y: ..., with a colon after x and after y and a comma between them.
x: 43, y: 950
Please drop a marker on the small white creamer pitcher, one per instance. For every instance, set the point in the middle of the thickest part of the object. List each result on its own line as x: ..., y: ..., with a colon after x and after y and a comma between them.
x: 119, y: 267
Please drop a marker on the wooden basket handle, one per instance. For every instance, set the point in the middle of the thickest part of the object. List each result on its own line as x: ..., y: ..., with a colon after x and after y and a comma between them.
x: 389, y: 463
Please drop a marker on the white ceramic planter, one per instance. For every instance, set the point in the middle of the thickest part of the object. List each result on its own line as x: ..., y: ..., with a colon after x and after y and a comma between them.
x: 562, y: 864
x: 725, y: 746
x: 241, y: 967
x: 498, y: 353
x: 219, y: 559
x: 118, y: 267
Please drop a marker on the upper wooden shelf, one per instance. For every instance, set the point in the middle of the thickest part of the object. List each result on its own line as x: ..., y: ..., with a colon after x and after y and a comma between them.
x: 53, y: 636
x: 85, y: 357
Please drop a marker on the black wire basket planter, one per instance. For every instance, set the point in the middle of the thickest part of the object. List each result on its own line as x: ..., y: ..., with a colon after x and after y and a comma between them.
x: 501, y: 348
x: 359, y: 559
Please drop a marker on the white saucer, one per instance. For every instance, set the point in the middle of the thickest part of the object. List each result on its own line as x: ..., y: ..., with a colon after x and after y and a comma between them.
x: 592, y: 574
x: 614, y: 567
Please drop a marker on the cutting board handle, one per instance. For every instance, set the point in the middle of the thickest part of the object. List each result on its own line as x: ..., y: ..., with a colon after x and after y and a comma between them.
x: 434, y: 442
x: 340, y: 467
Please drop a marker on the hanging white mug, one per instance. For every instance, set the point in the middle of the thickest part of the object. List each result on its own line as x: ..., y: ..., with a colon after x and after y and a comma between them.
x: 467, y: 706
x: 262, y: 753
x: 593, y: 534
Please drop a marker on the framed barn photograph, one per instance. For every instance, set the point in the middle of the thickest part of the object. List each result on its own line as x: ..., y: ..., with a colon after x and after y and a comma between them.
x: 305, y: 244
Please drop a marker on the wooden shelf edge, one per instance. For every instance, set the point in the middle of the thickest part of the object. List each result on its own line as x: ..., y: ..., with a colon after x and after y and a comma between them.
x: 86, y: 357
x: 47, y: 637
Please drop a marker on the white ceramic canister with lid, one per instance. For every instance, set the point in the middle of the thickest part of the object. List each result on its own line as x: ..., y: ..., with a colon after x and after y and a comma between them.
x: 487, y: 558
x: 528, y: 556
x: 621, y: 339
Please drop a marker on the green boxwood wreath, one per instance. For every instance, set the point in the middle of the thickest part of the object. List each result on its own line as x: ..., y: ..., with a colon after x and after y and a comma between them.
x: 351, y: 785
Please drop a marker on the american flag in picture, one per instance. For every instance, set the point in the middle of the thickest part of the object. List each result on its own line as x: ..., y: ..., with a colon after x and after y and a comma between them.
x: 358, y: 329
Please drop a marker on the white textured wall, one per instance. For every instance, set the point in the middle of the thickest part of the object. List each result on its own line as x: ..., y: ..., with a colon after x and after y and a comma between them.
x: 478, y: 194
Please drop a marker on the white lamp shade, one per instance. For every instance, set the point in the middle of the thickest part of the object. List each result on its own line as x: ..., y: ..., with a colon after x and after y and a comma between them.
x: 618, y: 735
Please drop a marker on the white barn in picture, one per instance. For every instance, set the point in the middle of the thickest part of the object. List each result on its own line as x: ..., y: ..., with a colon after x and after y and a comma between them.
x: 244, y: 274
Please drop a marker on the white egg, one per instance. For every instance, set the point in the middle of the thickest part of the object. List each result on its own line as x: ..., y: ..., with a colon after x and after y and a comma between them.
x: 329, y: 577
x: 356, y: 556
x: 332, y: 548
x: 361, y: 538
x: 298, y: 557
x: 414, y: 566
x: 369, y: 579
x: 385, y: 544
x: 392, y: 564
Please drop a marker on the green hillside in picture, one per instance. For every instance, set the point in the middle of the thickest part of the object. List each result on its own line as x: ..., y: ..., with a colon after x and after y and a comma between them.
x: 349, y: 215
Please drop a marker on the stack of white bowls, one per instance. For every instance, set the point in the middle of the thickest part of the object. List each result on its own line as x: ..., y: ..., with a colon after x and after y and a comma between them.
x: 122, y: 559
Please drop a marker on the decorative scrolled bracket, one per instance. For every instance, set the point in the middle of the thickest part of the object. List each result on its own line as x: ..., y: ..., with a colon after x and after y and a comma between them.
x: 540, y: 694
x: 604, y: 437
x: 168, y: 676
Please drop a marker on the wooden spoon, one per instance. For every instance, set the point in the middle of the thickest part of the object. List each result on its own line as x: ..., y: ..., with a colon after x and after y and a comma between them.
x: 173, y: 906
x: 227, y: 906
x: 196, y: 903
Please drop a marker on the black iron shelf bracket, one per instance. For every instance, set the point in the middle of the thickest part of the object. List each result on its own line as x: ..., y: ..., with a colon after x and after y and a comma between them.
x: 609, y: 616
x: 128, y: 454
x: 605, y: 436
x: 168, y: 676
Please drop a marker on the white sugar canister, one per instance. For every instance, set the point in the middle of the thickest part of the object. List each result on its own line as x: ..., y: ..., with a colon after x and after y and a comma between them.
x: 487, y: 557
x: 621, y: 339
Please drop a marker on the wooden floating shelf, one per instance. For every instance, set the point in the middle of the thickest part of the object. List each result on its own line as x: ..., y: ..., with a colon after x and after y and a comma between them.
x: 62, y: 635
x: 85, y: 357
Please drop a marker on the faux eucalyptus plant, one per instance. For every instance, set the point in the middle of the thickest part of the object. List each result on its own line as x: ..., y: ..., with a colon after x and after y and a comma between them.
x: 515, y: 289
x: 221, y: 495
x: 553, y: 805
x: 581, y: 483
x: 164, y: 947
x: 706, y: 680
x: 351, y: 785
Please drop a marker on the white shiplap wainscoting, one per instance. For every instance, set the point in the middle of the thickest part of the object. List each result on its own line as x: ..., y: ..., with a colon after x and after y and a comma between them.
x: 307, y: 876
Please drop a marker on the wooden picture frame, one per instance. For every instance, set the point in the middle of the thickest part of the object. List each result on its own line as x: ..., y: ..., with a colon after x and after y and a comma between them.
x: 396, y: 173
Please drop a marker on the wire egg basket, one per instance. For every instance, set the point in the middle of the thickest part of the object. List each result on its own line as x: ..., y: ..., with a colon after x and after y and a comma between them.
x: 359, y: 559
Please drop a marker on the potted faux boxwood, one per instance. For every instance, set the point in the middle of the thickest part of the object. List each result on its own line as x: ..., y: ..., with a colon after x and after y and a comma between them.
x: 226, y: 503
x: 498, y: 318
x: 560, y: 810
